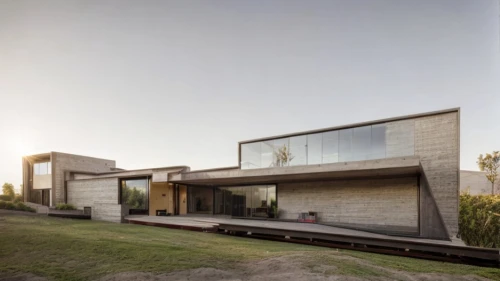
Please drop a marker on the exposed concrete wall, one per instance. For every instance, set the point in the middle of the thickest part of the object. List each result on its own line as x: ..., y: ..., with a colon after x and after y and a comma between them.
x: 475, y: 182
x: 390, y: 204
x: 62, y: 162
x: 99, y: 194
x: 107, y: 212
x: 400, y: 138
x: 431, y: 221
x: 84, y: 193
x: 40, y: 209
x: 437, y: 144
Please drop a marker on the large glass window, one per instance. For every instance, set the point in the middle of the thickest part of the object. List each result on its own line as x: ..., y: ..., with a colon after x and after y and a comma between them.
x: 247, y: 201
x: 314, y: 147
x: 378, y: 142
x: 281, y: 152
x: 250, y: 152
x: 330, y: 147
x: 267, y: 154
x: 361, y: 143
x: 200, y: 199
x: 353, y: 144
x: 345, y: 145
x: 134, y: 193
x: 298, y: 150
x: 44, y: 168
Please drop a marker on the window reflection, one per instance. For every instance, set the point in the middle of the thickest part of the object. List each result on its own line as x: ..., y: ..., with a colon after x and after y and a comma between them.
x: 378, y: 142
x: 345, y: 145
x: 267, y: 154
x: 134, y: 193
x: 353, y: 144
x: 246, y: 201
x: 330, y: 147
x: 361, y: 141
x: 281, y: 153
x: 298, y: 150
x: 44, y: 168
x: 314, y: 143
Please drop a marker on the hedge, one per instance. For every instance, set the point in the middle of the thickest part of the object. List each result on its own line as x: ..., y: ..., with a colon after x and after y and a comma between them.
x: 4, y: 197
x: 479, y: 220
x: 62, y: 206
x: 19, y: 206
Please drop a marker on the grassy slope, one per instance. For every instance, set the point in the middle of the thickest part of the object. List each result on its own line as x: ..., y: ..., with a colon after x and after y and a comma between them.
x: 67, y: 249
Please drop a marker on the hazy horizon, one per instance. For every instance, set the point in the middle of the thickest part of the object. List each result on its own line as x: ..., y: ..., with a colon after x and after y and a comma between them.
x: 164, y: 83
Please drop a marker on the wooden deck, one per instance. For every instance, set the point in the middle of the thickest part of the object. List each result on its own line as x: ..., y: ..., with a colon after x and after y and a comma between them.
x: 330, y: 236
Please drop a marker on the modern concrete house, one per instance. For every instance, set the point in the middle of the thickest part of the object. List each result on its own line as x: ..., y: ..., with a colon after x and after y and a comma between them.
x: 398, y: 176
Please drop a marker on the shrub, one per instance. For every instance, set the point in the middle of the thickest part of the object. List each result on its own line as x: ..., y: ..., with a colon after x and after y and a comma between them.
x: 479, y: 220
x: 62, y: 206
x: 19, y: 206
x: 18, y: 198
x: 22, y: 207
x: 4, y: 197
x: 10, y: 206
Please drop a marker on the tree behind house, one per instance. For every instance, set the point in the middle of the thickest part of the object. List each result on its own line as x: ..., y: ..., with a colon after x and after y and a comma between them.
x: 490, y: 164
x: 8, y: 190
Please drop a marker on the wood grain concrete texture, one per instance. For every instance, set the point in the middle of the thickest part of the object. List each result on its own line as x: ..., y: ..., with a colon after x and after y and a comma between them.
x: 437, y: 145
x: 476, y: 183
x: 431, y: 223
x: 107, y: 212
x: 85, y: 193
x: 62, y: 162
x: 388, y: 202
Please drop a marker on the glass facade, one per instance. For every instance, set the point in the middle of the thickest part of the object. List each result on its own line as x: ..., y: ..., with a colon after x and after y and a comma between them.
x: 352, y: 144
x: 42, y: 168
x: 246, y: 201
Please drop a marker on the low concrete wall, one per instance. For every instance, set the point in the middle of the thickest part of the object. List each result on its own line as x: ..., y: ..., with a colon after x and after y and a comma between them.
x: 382, y: 204
x: 107, y: 212
x: 99, y: 194
x: 40, y: 209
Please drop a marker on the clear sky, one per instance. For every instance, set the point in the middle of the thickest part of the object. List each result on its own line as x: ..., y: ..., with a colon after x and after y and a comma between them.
x: 159, y: 83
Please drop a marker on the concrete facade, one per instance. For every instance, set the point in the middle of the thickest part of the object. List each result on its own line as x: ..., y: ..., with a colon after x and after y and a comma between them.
x: 378, y: 204
x: 411, y: 188
x: 63, y: 162
x: 437, y: 144
x: 99, y: 194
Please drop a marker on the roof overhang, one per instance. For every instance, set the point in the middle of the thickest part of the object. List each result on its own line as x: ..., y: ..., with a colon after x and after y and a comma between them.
x: 390, y: 167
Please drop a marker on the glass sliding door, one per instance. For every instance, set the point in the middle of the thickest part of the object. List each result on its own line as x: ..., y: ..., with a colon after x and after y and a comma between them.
x: 200, y: 199
x: 258, y: 201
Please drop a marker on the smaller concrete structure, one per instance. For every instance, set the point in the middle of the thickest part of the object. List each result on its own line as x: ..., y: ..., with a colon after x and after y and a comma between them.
x: 476, y: 183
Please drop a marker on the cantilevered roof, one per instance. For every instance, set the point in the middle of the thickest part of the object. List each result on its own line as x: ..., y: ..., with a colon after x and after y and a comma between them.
x: 399, y: 166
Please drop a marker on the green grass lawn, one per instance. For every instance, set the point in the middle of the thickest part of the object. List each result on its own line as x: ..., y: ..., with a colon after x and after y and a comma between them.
x: 65, y: 249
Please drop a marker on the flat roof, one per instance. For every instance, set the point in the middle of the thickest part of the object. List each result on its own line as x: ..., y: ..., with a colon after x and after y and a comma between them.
x: 389, y: 167
x: 456, y: 109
